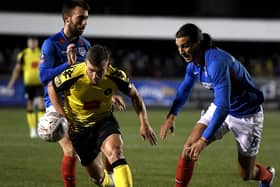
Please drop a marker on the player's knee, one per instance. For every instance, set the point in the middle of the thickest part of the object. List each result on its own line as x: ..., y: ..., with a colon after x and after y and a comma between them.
x: 116, y: 153
x: 69, y: 152
x: 67, y: 147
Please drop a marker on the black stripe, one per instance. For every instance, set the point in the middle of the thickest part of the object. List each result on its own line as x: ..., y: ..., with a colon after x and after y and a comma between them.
x: 119, y: 162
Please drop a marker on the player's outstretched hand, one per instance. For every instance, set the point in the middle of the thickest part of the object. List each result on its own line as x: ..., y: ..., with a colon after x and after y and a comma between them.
x: 71, y: 54
x: 118, y: 102
x: 193, y: 151
x: 147, y: 132
x: 169, y: 124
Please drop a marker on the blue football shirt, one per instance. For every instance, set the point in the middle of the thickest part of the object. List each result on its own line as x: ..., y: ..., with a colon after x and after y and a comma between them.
x: 232, y: 86
x: 54, y: 58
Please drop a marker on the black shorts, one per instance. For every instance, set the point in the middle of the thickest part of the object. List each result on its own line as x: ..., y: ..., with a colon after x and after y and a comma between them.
x: 87, y: 143
x: 33, y: 91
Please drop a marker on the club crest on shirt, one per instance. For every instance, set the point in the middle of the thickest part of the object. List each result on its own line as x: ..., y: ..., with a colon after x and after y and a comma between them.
x: 82, y: 51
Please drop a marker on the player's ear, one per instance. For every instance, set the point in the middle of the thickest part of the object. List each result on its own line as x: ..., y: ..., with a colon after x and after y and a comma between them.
x: 66, y: 19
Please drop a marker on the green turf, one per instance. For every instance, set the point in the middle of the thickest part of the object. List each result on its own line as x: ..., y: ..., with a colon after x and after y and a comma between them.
x: 26, y: 162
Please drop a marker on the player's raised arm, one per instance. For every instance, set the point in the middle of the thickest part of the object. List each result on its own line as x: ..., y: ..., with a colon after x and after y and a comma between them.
x: 146, y: 130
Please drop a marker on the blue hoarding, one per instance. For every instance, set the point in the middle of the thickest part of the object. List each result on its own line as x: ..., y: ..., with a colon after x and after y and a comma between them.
x: 12, y: 97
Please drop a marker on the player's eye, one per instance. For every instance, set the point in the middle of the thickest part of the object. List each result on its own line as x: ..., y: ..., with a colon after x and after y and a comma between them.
x: 186, y: 45
x: 82, y: 18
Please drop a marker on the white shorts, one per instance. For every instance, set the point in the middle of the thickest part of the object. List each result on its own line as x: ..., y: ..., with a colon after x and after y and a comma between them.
x: 246, y: 130
x: 50, y: 109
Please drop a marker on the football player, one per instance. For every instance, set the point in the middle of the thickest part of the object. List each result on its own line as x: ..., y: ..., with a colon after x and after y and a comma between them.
x: 54, y: 61
x: 237, y: 107
x: 28, y: 62
x: 88, y: 89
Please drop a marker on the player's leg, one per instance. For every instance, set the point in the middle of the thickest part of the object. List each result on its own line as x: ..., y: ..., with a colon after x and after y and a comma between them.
x: 68, y: 163
x: 108, y: 166
x: 87, y: 146
x: 247, y: 132
x: 185, y: 165
x: 41, y: 106
x: 31, y: 119
x: 98, y: 174
x: 112, y: 147
x: 249, y: 169
x: 30, y: 115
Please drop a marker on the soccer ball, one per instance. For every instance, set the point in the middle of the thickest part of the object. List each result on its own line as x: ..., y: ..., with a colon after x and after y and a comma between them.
x: 52, y: 127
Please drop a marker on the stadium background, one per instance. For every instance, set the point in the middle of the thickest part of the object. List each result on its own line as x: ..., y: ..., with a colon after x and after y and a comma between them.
x: 141, y: 37
x: 249, y: 31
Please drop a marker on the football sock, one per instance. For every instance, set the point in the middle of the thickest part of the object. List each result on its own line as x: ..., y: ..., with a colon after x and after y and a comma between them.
x: 68, y: 171
x: 184, y: 172
x: 107, y: 181
x: 263, y: 174
x: 31, y: 119
x: 40, y: 113
x: 108, y: 166
x: 122, y: 174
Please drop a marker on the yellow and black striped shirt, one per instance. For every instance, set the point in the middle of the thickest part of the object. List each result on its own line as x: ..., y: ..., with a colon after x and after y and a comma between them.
x: 29, y: 60
x: 85, y: 103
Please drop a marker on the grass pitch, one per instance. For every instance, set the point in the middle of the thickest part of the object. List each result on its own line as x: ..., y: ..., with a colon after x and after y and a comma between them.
x: 26, y: 162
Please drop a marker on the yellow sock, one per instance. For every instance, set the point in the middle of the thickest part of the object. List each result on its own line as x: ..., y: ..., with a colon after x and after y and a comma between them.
x: 40, y: 114
x: 107, y: 181
x: 122, y: 176
x: 31, y: 119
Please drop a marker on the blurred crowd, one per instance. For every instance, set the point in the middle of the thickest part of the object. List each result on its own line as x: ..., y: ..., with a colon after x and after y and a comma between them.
x: 157, y: 65
x: 263, y: 66
x: 143, y: 63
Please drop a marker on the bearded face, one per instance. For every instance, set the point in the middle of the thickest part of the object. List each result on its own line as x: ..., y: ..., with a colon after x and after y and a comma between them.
x: 76, y: 23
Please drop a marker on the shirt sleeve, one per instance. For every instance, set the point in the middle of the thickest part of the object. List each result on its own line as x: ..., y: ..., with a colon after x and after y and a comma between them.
x: 65, y: 80
x: 219, y: 72
x: 47, y: 69
x: 183, y: 91
x: 121, y: 80
x: 20, y: 57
